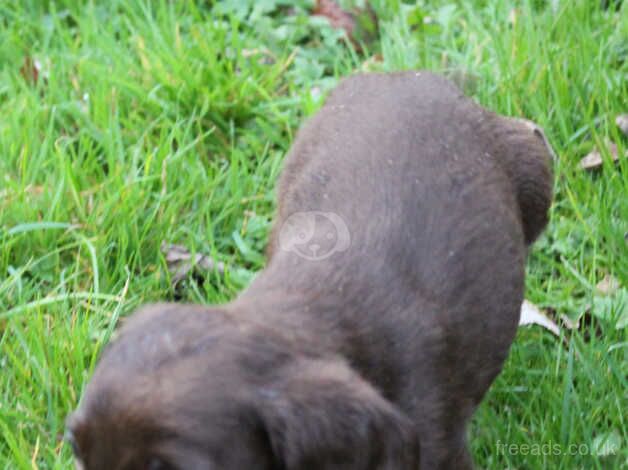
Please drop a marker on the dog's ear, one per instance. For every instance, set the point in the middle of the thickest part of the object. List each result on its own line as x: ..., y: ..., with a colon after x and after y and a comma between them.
x: 321, y: 415
x: 522, y: 147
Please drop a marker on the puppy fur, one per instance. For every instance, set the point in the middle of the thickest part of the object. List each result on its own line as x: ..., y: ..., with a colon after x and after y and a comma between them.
x: 371, y: 358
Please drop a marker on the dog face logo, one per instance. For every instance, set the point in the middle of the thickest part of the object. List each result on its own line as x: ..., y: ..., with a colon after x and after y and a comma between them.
x: 314, y: 235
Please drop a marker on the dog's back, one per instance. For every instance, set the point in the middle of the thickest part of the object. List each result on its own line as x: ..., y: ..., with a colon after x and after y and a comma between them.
x: 439, y: 199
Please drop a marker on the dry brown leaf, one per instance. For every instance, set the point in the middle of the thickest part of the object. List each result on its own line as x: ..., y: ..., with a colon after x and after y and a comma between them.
x: 594, y: 159
x: 30, y: 69
x: 359, y: 24
x: 622, y: 123
x: 180, y: 262
x: 338, y: 18
x: 608, y: 285
x: 532, y: 315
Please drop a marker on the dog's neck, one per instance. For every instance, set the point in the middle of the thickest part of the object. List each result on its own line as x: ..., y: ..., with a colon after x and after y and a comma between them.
x: 307, y: 313
x: 322, y: 316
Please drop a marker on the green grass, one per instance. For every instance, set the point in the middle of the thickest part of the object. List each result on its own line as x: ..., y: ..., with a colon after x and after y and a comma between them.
x: 168, y: 121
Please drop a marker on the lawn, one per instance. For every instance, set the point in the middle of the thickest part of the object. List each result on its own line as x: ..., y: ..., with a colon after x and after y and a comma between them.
x: 125, y: 124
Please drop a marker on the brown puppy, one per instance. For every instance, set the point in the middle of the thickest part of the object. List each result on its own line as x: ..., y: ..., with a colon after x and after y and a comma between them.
x: 387, y: 308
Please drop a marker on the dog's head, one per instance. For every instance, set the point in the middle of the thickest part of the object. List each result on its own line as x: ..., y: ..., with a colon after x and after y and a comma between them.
x: 190, y: 388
